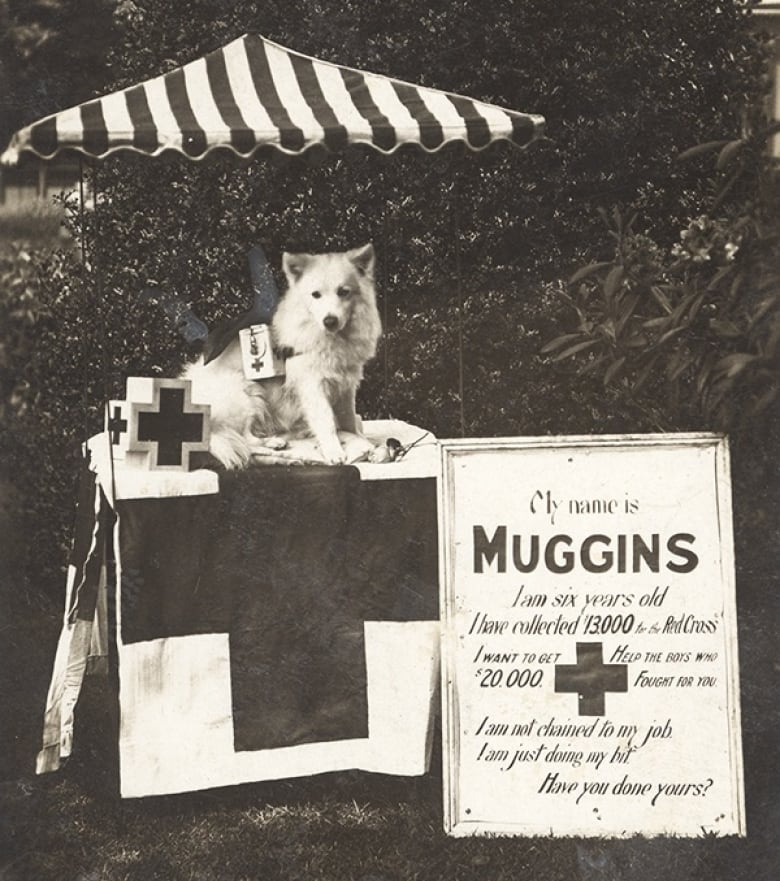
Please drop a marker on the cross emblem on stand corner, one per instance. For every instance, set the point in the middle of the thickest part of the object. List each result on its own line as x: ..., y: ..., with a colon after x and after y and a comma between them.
x: 116, y: 425
x: 590, y: 678
x: 170, y: 427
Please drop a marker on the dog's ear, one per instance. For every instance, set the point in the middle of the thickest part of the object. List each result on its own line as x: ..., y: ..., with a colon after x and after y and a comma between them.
x: 363, y: 259
x: 294, y: 265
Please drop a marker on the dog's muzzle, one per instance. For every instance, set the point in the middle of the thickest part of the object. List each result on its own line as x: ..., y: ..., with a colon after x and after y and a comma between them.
x: 330, y: 322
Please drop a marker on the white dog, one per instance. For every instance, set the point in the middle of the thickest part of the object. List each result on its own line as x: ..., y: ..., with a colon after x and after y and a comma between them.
x: 328, y: 325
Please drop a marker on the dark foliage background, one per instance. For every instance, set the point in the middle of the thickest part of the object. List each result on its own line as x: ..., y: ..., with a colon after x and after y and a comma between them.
x: 39, y: 40
x: 624, y: 89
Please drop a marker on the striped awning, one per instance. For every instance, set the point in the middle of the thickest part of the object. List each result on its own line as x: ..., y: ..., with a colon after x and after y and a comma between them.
x: 254, y: 93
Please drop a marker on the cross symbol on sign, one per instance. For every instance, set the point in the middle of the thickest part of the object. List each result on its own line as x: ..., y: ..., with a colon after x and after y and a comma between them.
x: 257, y: 364
x: 170, y: 427
x: 117, y: 425
x: 591, y: 678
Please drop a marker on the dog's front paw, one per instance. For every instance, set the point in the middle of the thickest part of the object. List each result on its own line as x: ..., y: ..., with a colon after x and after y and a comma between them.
x: 336, y: 459
x: 379, y: 455
x: 332, y: 451
x: 356, y: 447
x: 275, y: 443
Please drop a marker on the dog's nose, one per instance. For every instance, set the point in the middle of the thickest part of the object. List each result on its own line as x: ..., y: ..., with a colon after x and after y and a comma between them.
x: 330, y: 322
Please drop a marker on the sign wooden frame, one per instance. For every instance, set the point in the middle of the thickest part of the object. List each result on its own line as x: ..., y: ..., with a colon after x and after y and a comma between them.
x: 694, y: 806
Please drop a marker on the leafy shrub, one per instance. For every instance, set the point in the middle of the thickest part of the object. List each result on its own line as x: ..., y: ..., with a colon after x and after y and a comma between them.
x: 509, y: 388
x: 616, y: 116
x: 698, y: 322
x: 26, y: 232
x: 20, y: 314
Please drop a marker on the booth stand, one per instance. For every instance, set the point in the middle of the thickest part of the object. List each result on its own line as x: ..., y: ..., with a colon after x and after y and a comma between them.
x: 262, y: 624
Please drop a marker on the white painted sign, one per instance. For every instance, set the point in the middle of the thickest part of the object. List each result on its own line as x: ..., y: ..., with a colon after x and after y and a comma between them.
x: 590, y: 676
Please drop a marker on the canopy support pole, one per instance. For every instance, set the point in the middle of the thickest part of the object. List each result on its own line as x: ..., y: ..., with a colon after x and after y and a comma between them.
x: 385, y: 310
x: 100, y: 309
x: 84, y: 338
x: 82, y: 191
x: 459, y: 296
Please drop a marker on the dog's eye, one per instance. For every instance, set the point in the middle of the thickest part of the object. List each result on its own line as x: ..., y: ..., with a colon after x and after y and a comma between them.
x: 343, y: 292
x: 316, y: 295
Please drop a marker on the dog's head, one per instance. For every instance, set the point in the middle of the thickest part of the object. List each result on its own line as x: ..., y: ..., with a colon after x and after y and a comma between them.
x: 331, y: 286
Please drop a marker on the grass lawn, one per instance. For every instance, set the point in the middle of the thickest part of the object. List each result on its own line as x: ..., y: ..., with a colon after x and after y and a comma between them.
x: 70, y: 826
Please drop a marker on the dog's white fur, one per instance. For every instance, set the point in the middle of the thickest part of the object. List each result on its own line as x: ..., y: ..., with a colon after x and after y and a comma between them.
x: 329, y: 319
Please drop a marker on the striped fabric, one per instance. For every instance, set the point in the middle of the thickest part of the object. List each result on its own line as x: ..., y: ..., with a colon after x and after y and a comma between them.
x: 253, y: 93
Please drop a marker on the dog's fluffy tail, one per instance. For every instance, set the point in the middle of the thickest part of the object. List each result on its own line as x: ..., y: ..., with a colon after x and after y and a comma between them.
x: 231, y: 448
